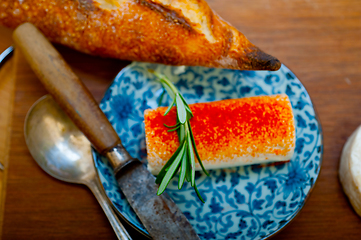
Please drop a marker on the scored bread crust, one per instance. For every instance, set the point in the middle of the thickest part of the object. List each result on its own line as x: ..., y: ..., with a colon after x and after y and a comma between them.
x: 175, y: 32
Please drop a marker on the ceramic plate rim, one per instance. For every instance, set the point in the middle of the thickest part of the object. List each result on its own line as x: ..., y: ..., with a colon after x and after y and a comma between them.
x: 321, y: 143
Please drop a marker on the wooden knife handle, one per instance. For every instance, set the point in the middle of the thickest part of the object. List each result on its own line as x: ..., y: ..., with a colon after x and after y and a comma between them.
x: 66, y: 88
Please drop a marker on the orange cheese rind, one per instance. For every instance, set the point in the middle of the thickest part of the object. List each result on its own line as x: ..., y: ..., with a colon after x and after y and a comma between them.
x: 227, y: 133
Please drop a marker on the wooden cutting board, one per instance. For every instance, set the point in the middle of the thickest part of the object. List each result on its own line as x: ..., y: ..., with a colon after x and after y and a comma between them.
x: 7, y: 90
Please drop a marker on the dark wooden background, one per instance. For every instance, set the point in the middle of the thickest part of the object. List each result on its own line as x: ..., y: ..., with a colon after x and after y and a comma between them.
x: 320, y: 41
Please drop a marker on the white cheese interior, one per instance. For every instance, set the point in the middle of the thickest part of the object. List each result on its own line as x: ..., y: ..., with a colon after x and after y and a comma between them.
x: 234, y: 162
x: 350, y: 169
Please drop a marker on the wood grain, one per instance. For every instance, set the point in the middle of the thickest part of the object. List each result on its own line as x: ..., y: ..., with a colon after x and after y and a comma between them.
x: 320, y: 41
x: 7, y: 92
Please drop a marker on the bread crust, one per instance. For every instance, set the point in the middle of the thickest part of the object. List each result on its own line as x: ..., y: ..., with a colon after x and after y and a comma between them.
x: 175, y: 32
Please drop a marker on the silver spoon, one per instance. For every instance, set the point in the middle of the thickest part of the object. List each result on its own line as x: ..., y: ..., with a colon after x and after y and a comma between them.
x: 64, y: 152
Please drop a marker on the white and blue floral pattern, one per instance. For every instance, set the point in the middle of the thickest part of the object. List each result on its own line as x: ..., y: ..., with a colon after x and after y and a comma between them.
x: 251, y: 202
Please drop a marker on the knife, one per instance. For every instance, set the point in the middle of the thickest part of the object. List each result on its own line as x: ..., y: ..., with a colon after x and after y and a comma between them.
x: 159, y: 214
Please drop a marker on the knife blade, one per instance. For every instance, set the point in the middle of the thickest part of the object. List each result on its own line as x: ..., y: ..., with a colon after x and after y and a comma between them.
x: 159, y: 214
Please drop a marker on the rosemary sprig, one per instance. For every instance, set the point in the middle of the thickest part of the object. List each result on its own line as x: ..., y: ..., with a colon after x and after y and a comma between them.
x: 183, y: 159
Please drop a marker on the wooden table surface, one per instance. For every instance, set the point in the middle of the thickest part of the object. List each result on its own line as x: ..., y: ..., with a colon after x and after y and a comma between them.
x: 320, y: 41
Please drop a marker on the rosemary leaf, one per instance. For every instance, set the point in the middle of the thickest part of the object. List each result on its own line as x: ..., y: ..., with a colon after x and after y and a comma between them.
x: 168, y: 89
x: 195, y: 150
x: 182, y: 133
x: 198, y: 194
x: 186, y: 105
x: 184, y: 101
x: 175, y: 125
x: 183, y: 169
x: 166, y: 83
x: 190, y: 112
x: 189, y: 116
x: 169, y: 107
x: 192, y: 161
x: 172, y: 170
x: 183, y: 160
x: 161, y: 98
x: 167, y: 165
x: 181, y: 110
x: 189, y: 170
x: 174, y: 129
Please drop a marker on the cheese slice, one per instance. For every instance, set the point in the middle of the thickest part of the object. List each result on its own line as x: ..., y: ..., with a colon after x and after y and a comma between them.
x: 350, y: 169
x: 227, y: 133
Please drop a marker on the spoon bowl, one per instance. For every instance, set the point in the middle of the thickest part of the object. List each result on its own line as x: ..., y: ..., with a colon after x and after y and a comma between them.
x: 64, y: 152
x: 56, y: 144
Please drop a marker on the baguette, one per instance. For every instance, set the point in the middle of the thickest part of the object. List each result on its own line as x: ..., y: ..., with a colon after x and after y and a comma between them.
x: 227, y: 133
x: 175, y: 32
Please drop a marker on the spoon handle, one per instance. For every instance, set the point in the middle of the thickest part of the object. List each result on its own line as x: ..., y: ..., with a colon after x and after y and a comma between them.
x: 120, y: 231
x: 66, y: 88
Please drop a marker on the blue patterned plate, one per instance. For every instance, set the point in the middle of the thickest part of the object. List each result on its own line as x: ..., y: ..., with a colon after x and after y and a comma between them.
x: 251, y: 202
